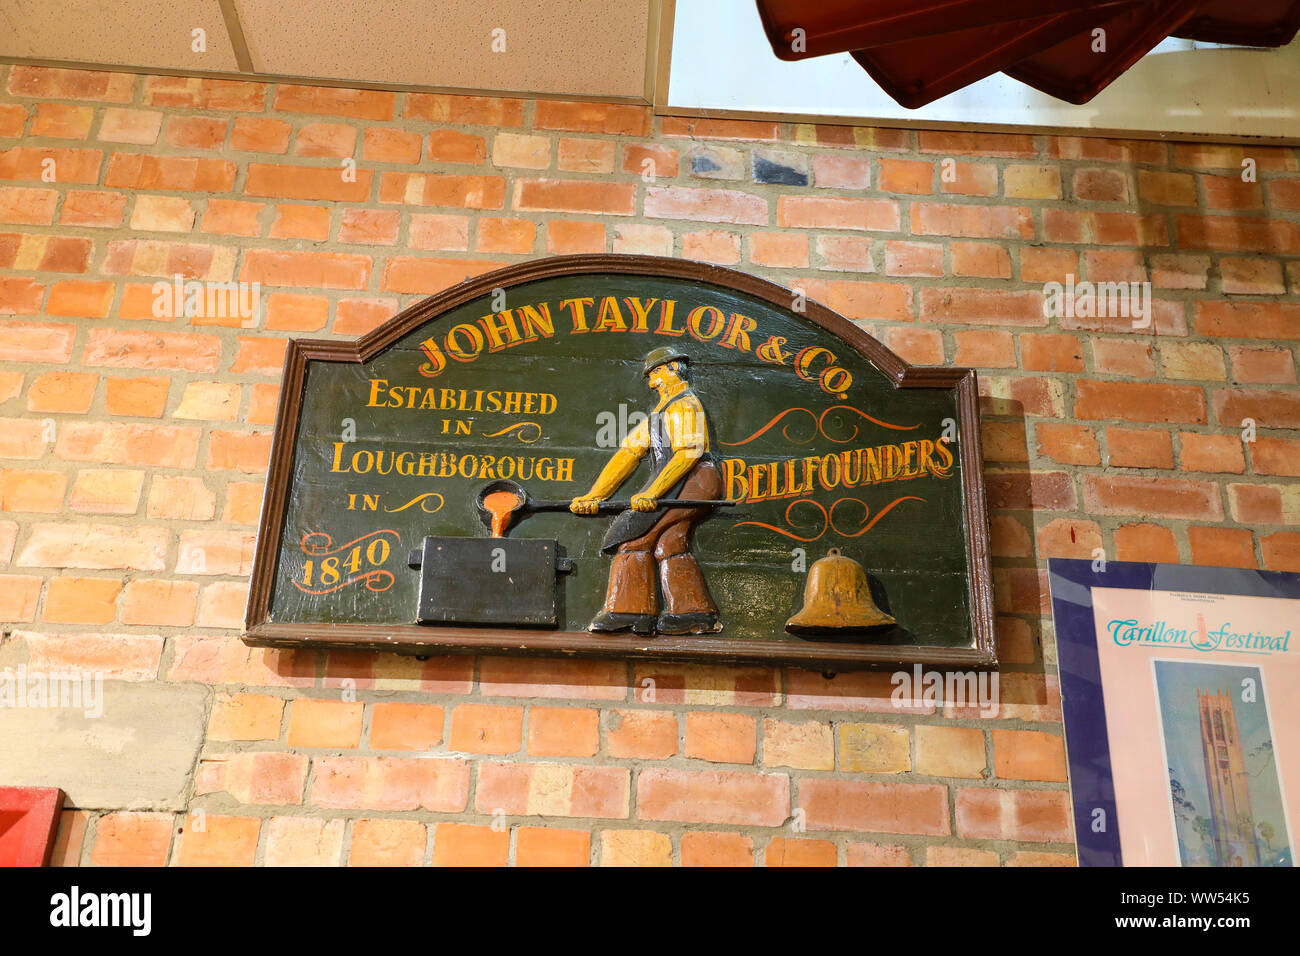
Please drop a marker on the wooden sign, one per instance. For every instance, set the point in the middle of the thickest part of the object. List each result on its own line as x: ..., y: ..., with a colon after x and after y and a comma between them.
x: 625, y: 456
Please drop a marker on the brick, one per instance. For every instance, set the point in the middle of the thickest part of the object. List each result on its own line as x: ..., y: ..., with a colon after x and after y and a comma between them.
x: 486, y: 729
x: 243, y: 502
x: 46, y: 253
x: 968, y: 179
x: 11, y: 386
x: 1118, y: 357
x: 1281, y: 551
x: 875, y: 215
x: 971, y: 222
x: 306, y: 182
x: 858, y: 692
x: 1032, y: 182
x: 376, y: 227
x: 1004, y: 441
x: 585, y: 117
x: 71, y: 600
x: 80, y: 298
x: 411, y: 274
x: 190, y: 174
x: 178, y: 497
x: 637, y: 239
x: 642, y: 734
x: 459, y: 844
x: 635, y: 848
x: 1048, y: 265
x: 1029, y: 755
x: 950, y: 751
x: 959, y: 856
x: 778, y: 250
x: 842, y: 172
x: 106, y: 491
x: 451, y: 146
x: 506, y: 235
x: 976, y: 144
x: 585, y: 155
x: 648, y: 160
x: 231, y: 217
x: 196, y: 132
x: 703, y: 128
x: 222, y: 605
x: 1251, y: 277
x: 913, y: 259
x: 1137, y: 401
x: 725, y: 796
x: 12, y: 120
x: 918, y: 346
x: 464, y: 110
x: 31, y: 490
x: 381, y: 144
x: 985, y: 349
x: 521, y: 151
x: 303, y: 841
x: 1237, y: 234
x: 873, y: 854
x: 807, y: 745
x: 552, y: 846
x: 242, y: 716
x: 1262, y: 366
x: 214, y: 552
x: 1248, y: 320
x: 1268, y: 408
x: 462, y: 192
x: 1031, y: 858
x: 159, y: 603
x: 1275, y: 456
x: 301, y: 222
x: 293, y: 313
x: 1045, y: 352
x: 874, y: 748
x: 1193, y: 360
x: 25, y: 206
x: 120, y: 443
x: 716, y: 162
x: 705, y: 205
x: 227, y: 660
x: 906, y: 176
x: 132, y: 839
x: 258, y: 134
x: 334, y: 101
x: 387, y: 843
x: 1029, y: 816
x: 980, y: 259
x: 1146, y: 542
x: 721, y: 738
x: 1139, y: 448
x: 180, y: 351
x: 1170, y: 497
x: 570, y: 680
x: 1221, y: 547
x: 845, y: 253
x: 401, y: 726
x: 709, y: 848
x: 563, y: 731
x: 334, y: 140
x: 321, y: 270
x: 790, y: 851
x: 1214, y: 453
x: 62, y: 392
x: 559, y: 790
x: 982, y: 306
x: 875, y: 807
x: 448, y: 233
x: 714, y: 246
x: 390, y: 783
x: 19, y: 595
x: 353, y: 317
x: 136, y: 397
x: 275, y: 779
x: 22, y: 438
x: 69, y: 165
x: 224, y: 841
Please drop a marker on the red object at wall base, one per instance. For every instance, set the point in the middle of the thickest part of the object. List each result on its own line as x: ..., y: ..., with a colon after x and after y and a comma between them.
x: 29, y: 819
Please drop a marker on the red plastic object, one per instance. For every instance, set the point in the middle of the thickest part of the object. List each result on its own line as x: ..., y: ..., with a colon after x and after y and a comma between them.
x: 917, y: 72
x: 29, y: 819
x: 1258, y: 23
x: 836, y: 26
x: 1073, y: 72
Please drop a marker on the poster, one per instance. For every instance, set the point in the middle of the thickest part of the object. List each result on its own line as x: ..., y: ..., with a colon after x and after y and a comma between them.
x: 1181, y: 694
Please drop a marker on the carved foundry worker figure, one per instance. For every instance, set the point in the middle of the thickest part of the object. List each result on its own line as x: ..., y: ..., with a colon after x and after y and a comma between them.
x: 676, y: 435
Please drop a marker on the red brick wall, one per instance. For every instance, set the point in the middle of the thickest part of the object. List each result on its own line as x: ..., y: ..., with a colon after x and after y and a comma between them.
x: 1097, y: 436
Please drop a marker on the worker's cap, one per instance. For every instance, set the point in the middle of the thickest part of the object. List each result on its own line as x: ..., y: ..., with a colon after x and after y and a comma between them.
x: 661, y: 356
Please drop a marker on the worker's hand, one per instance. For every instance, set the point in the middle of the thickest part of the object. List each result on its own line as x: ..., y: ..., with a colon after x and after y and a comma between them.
x: 644, y: 503
x: 585, y: 504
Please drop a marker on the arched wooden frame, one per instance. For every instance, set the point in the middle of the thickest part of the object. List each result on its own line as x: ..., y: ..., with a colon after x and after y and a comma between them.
x: 424, y: 640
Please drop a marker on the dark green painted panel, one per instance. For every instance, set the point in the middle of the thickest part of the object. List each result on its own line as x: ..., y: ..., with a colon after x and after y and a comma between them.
x: 916, y: 551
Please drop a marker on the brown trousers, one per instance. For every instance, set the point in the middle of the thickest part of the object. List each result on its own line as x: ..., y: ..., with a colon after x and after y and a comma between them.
x: 631, y: 587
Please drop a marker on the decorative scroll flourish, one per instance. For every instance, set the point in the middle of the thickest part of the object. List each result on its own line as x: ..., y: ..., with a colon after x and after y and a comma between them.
x: 327, y: 577
x: 422, y: 501
x: 788, y: 520
x: 828, y: 518
x: 866, y: 525
x: 819, y: 426
x: 523, y: 426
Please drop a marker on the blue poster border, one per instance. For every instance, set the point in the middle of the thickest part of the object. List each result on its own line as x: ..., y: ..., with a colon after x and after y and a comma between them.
x: 1083, y: 701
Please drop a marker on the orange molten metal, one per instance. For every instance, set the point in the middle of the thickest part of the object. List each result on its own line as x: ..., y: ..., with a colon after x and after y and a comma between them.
x: 501, y: 505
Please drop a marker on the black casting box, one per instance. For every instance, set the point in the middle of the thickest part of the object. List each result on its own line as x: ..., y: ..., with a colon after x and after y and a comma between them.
x: 506, y: 581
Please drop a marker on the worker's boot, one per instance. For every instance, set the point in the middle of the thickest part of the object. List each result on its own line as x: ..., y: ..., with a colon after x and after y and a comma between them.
x: 630, y: 596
